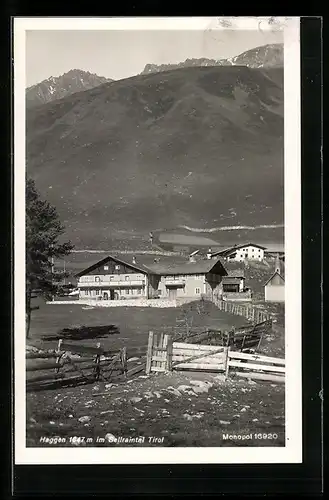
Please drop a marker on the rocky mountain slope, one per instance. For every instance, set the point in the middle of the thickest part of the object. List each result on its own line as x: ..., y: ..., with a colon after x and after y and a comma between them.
x: 67, y: 84
x: 266, y: 56
x: 200, y: 147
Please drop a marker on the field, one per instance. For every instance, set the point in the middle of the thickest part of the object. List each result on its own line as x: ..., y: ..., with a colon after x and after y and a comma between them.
x: 181, y: 409
x: 133, y: 324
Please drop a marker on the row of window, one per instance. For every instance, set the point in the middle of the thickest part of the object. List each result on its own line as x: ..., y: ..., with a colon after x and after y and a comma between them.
x: 98, y: 279
x: 127, y: 291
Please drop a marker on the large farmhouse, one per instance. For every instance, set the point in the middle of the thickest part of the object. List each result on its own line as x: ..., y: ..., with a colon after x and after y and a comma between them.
x: 117, y: 278
x: 239, y: 253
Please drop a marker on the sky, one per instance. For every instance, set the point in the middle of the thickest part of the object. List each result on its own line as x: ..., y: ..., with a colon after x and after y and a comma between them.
x: 123, y: 53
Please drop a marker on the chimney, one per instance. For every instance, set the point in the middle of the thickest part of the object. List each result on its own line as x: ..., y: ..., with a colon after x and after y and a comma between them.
x: 134, y: 260
x: 192, y: 258
x: 209, y: 254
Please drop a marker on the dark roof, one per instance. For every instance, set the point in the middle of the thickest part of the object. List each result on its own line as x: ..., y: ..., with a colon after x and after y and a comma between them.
x: 166, y: 265
x: 272, y: 276
x: 231, y: 280
x: 199, y: 267
x: 137, y: 266
x: 238, y: 273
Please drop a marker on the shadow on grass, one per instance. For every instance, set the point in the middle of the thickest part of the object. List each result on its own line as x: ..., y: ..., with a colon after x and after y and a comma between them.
x: 84, y: 333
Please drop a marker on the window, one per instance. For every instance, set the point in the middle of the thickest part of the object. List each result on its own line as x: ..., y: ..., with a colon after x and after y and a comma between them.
x: 139, y: 291
x: 197, y: 291
x: 97, y: 279
x: 111, y: 278
x: 117, y: 268
x: 127, y: 278
x: 127, y: 291
x: 87, y: 292
x: 98, y: 291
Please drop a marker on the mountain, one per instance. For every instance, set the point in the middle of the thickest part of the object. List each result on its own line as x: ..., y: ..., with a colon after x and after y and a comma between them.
x: 267, y: 56
x: 67, y: 84
x: 197, y: 147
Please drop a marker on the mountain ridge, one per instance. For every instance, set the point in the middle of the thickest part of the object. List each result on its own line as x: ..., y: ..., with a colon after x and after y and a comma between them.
x: 68, y: 83
x: 267, y: 56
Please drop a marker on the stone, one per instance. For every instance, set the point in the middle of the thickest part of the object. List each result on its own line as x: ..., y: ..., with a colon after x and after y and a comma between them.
x: 225, y: 422
x: 187, y: 416
x: 32, y: 420
x: 84, y: 419
x: 135, y: 399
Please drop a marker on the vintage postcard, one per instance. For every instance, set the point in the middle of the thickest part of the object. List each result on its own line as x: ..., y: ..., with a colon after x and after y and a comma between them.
x: 157, y: 240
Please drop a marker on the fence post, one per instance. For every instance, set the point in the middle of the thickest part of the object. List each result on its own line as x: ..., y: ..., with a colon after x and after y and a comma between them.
x: 169, y: 353
x: 149, y: 353
x: 59, y: 356
x: 124, y: 360
x: 226, y: 361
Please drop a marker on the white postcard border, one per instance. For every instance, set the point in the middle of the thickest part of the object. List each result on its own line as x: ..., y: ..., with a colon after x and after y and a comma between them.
x: 292, y: 452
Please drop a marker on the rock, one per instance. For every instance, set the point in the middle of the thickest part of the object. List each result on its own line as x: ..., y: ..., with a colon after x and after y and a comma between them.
x: 133, y: 359
x: 110, y: 438
x: 174, y: 391
x: 96, y: 388
x: 251, y: 382
x: 32, y: 420
x: 255, y: 419
x: 225, y: 422
x: 135, y: 399
x: 184, y: 388
x: 52, y: 422
x: 108, y: 386
x: 84, y: 419
x: 148, y: 395
x: 158, y: 394
x: 187, y: 416
x: 70, y: 416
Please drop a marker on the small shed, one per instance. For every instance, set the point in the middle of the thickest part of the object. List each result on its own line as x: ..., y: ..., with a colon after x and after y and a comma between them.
x: 274, y: 288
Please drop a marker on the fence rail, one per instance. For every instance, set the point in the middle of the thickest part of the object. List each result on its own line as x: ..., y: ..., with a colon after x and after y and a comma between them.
x: 59, y: 365
x: 165, y: 355
x: 250, y: 312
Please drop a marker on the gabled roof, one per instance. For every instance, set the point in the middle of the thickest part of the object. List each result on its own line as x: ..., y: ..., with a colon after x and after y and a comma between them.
x: 138, y: 267
x: 271, y: 277
x: 199, y: 267
x: 171, y: 266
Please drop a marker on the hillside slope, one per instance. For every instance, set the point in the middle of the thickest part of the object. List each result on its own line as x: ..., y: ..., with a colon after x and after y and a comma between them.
x: 195, y: 146
x: 67, y: 84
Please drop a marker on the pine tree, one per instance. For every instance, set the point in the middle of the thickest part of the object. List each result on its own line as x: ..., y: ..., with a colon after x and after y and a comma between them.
x: 43, y: 230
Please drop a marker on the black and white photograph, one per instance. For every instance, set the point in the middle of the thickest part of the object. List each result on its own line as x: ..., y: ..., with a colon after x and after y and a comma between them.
x: 157, y: 240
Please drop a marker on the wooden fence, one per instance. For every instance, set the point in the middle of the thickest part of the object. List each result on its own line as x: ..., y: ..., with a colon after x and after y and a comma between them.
x: 250, y: 312
x: 165, y: 355
x: 62, y: 364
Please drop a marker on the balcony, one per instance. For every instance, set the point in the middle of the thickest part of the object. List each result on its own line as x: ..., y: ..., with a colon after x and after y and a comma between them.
x: 112, y: 283
x: 174, y: 281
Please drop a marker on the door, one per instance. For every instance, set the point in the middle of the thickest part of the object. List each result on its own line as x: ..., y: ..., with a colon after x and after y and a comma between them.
x: 112, y: 294
x: 172, y: 293
x: 106, y: 296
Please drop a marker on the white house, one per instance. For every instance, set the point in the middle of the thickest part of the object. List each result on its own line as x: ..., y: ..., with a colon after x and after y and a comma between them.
x: 239, y: 253
x: 274, y: 287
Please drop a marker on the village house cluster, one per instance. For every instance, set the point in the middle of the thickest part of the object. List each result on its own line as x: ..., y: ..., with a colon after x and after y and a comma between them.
x: 119, y: 277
